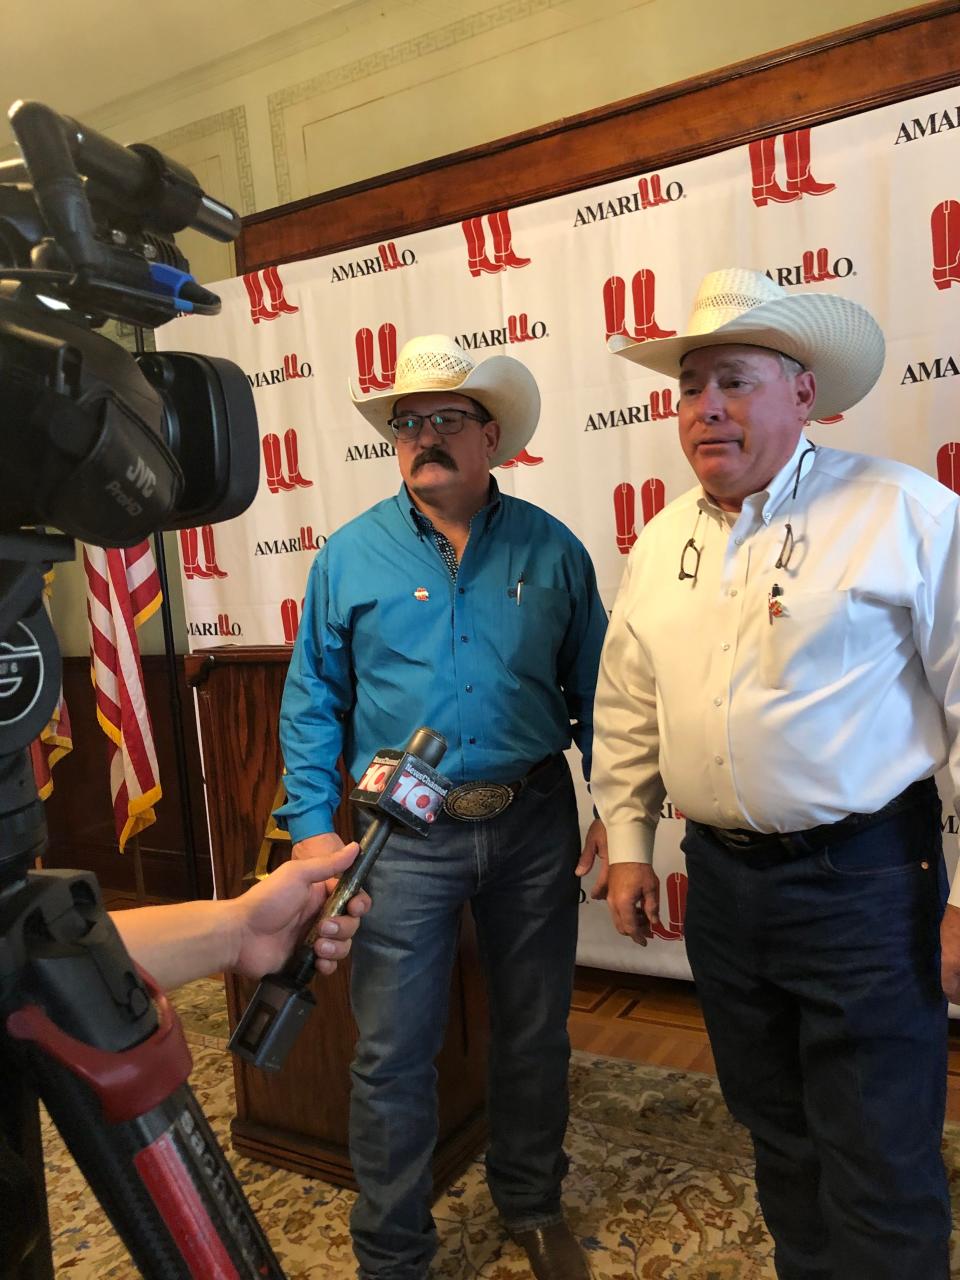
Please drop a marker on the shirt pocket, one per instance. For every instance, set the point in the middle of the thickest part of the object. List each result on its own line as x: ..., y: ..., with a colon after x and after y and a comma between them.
x: 805, y: 648
x: 532, y: 630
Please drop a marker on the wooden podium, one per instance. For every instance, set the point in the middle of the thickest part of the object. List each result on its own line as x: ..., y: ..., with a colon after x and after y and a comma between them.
x: 297, y: 1118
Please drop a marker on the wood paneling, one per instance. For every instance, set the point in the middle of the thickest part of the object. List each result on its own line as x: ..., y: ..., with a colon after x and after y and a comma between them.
x: 886, y: 60
x: 297, y: 1118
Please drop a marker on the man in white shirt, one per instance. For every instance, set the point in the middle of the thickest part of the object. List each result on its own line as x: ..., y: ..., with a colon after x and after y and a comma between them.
x: 784, y: 660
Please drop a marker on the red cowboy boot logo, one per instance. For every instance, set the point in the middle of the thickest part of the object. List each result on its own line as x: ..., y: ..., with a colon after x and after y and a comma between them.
x: 624, y: 512
x: 615, y: 308
x: 522, y: 459
x: 799, y: 180
x: 210, y: 565
x: 190, y: 541
x: 276, y: 304
x: 307, y: 540
x: 652, y: 499
x: 291, y: 449
x: 650, y: 193
x: 224, y: 626
x: 369, y: 378
x: 291, y: 367
x: 502, y: 241
x: 189, y: 554
x: 518, y: 328
x: 816, y: 267
x: 671, y: 929
x: 290, y: 619
x: 948, y: 465
x: 389, y: 256
x: 661, y: 405
x: 277, y: 481
x: 945, y: 232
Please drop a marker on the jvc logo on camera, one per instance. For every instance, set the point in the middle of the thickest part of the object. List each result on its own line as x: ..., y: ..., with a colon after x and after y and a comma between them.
x: 142, y: 478
x: 140, y: 475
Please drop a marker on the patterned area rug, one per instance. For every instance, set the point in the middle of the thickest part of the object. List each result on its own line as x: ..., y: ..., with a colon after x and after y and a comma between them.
x: 660, y: 1186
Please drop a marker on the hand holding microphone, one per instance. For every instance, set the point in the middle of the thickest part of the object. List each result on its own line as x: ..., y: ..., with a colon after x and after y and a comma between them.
x: 399, y: 788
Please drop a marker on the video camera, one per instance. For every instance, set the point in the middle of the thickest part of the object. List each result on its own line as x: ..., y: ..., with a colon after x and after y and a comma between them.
x: 107, y: 447
x: 103, y: 445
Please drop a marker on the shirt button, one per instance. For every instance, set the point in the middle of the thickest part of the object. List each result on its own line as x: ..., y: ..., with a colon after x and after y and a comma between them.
x: 461, y: 590
x: 718, y: 759
x: 469, y: 688
x: 717, y: 702
x: 733, y: 591
x: 738, y: 541
x: 724, y: 646
x: 471, y: 741
x: 464, y: 639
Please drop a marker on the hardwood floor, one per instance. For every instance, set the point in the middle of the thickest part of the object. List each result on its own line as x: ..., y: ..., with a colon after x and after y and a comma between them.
x: 658, y: 1020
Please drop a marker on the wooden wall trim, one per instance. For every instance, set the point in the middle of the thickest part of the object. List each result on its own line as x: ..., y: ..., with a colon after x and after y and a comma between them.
x: 857, y: 69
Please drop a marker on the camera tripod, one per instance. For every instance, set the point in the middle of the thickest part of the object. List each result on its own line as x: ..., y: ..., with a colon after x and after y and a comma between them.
x: 83, y: 1029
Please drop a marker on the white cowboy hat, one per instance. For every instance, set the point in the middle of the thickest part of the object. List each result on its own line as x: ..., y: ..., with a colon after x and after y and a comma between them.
x: 506, y: 389
x: 837, y: 339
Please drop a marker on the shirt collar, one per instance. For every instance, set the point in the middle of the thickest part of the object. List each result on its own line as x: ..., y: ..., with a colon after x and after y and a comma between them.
x: 766, y: 502
x: 422, y: 524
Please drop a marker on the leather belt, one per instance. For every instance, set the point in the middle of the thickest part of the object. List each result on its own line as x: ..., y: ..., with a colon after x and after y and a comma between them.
x: 477, y: 801
x: 798, y: 843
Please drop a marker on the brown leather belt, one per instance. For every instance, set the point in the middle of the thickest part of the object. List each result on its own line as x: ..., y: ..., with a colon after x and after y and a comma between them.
x: 797, y: 843
x: 477, y: 801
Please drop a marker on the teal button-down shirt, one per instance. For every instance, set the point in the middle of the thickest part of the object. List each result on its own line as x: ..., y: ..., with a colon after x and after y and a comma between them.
x: 390, y: 641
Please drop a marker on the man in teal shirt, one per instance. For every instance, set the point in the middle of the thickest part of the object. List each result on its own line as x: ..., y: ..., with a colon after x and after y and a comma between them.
x: 455, y: 606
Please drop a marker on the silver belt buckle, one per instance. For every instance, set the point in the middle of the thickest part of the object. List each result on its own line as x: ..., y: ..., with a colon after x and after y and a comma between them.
x: 474, y: 801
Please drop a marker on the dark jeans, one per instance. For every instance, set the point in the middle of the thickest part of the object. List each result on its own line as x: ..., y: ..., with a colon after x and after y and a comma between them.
x: 820, y: 984
x: 516, y: 871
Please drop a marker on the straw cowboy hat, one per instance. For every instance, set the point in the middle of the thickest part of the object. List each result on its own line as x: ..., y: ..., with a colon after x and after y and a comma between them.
x: 837, y: 339
x: 506, y: 389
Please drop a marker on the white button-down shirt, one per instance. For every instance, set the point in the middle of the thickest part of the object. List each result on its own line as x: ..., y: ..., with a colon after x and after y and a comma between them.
x: 779, y: 699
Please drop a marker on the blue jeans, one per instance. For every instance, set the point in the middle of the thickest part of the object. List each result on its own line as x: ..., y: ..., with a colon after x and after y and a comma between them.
x: 516, y: 871
x: 819, y: 979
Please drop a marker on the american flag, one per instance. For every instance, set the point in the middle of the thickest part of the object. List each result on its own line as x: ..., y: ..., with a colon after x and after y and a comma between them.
x: 56, y: 739
x: 123, y: 590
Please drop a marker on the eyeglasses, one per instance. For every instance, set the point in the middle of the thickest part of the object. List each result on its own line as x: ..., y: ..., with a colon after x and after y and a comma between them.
x: 691, y: 552
x: 689, y: 546
x: 446, y: 422
x: 789, y: 542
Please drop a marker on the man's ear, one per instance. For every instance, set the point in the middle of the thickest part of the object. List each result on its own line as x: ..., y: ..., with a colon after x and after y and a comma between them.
x: 491, y: 431
x: 806, y: 390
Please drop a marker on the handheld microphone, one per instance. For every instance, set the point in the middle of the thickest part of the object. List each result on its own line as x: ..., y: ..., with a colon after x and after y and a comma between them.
x: 399, y: 788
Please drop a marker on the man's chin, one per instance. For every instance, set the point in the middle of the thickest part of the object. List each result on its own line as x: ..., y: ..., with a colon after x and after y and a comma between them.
x: 431, y: 478
x: 433, y: 469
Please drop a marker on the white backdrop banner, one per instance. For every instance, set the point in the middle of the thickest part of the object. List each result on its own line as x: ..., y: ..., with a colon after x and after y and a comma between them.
x: 868, y: 207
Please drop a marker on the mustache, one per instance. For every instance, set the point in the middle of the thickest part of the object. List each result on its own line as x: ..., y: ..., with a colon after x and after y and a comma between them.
x: 433, y: 453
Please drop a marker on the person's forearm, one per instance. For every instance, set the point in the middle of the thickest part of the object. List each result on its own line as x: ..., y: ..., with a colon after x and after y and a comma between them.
x: 182, y: 941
